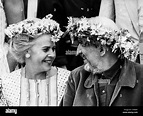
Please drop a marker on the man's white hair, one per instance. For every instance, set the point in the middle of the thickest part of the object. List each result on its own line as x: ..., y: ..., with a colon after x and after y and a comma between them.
x: 105, y: 22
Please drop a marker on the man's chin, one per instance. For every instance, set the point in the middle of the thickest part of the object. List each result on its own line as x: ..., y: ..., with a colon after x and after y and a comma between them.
x: 92, y: 69
x: 88, y: 67
x: 85, y: 61
x: 97, y: 71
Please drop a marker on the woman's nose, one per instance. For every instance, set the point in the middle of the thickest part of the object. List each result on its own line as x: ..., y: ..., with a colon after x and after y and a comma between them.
x: 52, y: 53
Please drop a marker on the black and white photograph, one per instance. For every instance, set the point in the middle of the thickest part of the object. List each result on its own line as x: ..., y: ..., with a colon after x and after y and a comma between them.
x: 76, y: 55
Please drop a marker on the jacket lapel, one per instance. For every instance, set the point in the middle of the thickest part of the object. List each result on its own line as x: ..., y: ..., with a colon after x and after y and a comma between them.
x: 127, y: 78
x: 132, y: 8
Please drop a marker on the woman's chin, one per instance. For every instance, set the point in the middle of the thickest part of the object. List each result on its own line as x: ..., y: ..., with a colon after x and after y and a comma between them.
x: 46, y: 68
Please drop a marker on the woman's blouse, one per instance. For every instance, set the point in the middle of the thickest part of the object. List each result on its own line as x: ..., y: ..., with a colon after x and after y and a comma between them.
x: 20, y: 91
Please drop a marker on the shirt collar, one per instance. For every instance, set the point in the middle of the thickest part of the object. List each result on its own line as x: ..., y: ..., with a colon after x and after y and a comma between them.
x: 111, y: 72
x: 127, y: 76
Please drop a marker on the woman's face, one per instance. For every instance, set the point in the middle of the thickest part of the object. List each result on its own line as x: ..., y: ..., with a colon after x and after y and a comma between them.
x: 43, y: 53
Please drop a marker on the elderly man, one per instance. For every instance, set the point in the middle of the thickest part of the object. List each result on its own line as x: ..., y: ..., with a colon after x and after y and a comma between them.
x: 109, y: 77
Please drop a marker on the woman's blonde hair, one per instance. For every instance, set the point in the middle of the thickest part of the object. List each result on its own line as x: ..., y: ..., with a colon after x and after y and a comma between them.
x: 19, y: 47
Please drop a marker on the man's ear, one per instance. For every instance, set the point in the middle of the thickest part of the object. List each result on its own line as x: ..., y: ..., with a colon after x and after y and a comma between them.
x: 102, y: 50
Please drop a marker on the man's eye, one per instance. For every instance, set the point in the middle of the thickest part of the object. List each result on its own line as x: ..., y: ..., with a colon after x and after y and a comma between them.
x: 83, y: 56
x: 54, y: 48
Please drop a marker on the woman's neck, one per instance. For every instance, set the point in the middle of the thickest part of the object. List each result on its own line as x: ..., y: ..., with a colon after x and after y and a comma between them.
x: 33, y: 74
x: 30, y: 73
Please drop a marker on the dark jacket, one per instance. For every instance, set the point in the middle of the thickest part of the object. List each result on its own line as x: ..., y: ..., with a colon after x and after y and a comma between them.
x: 81, y: 89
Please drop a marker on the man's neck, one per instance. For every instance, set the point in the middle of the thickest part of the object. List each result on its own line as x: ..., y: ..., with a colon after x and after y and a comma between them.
x: 107, y: 62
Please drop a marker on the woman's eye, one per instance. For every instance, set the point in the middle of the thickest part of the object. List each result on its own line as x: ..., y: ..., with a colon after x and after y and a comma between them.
x: 46, y: 49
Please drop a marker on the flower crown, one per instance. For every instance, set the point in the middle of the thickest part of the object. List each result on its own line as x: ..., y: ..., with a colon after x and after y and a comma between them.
x: 89, y: 32
x: 33, y: 27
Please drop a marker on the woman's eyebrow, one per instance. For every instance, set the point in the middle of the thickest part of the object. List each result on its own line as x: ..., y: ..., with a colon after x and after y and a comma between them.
x: 46, y: 46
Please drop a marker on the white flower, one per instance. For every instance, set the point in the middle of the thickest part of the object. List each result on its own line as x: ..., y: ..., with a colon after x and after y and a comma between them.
x: 33, y: 27
x: 117, y: 40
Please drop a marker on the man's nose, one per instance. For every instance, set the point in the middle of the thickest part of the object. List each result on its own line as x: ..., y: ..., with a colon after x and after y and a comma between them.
x: 78, y: 51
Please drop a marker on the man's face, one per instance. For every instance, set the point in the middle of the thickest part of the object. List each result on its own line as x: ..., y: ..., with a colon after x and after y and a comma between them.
x: 90, y: 54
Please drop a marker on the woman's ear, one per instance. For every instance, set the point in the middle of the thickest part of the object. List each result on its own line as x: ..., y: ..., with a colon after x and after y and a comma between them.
x: 27, y: 55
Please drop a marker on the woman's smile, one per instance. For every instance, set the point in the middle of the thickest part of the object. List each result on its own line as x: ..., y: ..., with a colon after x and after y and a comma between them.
x: 49, y: 62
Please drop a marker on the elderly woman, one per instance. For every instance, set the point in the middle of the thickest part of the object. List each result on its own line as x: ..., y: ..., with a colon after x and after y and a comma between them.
x: 38, y: 83
x: 110, y: 77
